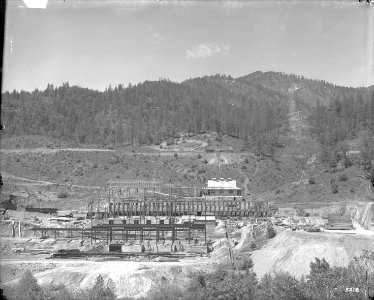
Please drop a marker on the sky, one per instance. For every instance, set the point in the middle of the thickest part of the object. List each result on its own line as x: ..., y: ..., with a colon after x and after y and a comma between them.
x: 95, y: 44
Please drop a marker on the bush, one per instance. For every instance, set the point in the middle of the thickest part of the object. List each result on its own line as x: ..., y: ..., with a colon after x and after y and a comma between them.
x: 199, y: 156
x: 26, y: 289
x: 271, y: 232
x: 101, y: 291
x: 246, y: 160
x: 58, y: 292
x: 175, y: 155
x: 280, y: 286
x: 365, y: 162
x: 334, y: 188
x: 342, y: 177
x: 347, y: 163
x: 312, y: 180
x: 62, y: 195
x: 200, y: 171
x: 222, y: 283
x: 301, y: 213
x: 205, y: 161
x: 247, y: 263
x: 253, y: 245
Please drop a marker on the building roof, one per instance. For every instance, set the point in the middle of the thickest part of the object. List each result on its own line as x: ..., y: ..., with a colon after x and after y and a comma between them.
x: 222, y: 184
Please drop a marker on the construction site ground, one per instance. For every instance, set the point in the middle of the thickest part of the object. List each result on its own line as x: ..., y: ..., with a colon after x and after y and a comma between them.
x: 289, y: 251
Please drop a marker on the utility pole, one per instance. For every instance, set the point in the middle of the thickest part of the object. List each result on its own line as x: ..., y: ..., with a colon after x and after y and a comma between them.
x: 205, y: 221
x: 144, y: 207
x: 108, y: 215
x: 90, y: 204
x: 170, y: 188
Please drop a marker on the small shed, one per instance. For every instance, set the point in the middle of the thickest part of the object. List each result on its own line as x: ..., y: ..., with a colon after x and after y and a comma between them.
x: 115, y: 248
x: 64, y: 213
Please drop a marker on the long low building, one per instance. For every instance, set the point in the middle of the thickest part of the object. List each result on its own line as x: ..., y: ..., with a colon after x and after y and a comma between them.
x: 197, y: 206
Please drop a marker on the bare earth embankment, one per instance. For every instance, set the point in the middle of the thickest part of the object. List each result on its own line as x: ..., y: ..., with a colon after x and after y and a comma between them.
x: 292, y: 251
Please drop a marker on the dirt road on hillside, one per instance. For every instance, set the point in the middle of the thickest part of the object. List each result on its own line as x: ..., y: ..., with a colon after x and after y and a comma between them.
x: 50, y: 151
x: 32, y: 182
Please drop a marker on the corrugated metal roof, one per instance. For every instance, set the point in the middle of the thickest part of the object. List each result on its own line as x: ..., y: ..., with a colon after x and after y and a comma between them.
x: 222, y: 184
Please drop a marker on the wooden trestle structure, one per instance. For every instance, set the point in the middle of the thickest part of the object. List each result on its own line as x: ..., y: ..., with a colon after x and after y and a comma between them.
x: 124, y: 232
x: 197, y: 206
x: 127, y: 198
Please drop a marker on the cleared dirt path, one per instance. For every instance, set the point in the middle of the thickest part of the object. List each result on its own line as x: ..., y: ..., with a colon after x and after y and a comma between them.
x: 33, y: 182
x: 50, y: 151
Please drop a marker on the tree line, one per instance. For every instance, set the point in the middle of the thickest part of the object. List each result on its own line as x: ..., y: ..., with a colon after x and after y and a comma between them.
x: 251, y: 107
x: 146, y: 113
x: 356, y: 281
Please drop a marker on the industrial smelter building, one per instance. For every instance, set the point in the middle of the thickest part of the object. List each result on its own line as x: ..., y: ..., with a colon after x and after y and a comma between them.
x: 222, y: 188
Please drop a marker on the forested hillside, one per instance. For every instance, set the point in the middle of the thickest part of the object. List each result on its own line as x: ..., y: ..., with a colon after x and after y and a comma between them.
x: 251, y: 107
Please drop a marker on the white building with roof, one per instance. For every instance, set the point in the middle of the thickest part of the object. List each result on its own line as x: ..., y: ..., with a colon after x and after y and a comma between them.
x: 222, y: 188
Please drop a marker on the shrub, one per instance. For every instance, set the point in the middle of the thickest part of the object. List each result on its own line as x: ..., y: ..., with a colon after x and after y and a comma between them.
x: 57, y: 292
x: 101, y: 291
x: 62, y: 195
x: 347, y: 163
x: 271, y: 232
x: 205, y: 161
x: 365, y: 162
x: 253, y: 245
x: 175, y: 155
x: 222, y: 283
x: 199, y: 156
x: 246, y: 160
x: 342, y: 177
x: 280, y: 286
x: 334, y: 188
x: 27, y: 288
x: 200, y: 171
x: 247, y: 263
x: 312, y: 180
x: 300, y: 212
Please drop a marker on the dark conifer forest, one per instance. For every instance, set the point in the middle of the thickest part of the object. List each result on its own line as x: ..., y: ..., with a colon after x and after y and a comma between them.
x: 251, y: 107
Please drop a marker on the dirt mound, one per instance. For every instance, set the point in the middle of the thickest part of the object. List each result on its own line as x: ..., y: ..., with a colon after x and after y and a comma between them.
x: 292, y: 251
x: 363, y: 213
x: 245, y: 238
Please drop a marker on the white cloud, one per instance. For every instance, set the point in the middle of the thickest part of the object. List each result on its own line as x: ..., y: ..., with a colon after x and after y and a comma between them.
x: 207, y: 50
x: 36, y: 3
